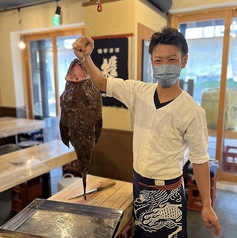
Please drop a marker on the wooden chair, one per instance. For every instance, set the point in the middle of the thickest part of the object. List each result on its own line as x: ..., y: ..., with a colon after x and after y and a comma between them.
x: 230, y: 159
x: 194, y: 197
x: 187, y: 86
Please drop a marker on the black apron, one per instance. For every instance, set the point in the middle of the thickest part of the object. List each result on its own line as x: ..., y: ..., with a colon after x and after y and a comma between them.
x: 159, y: 211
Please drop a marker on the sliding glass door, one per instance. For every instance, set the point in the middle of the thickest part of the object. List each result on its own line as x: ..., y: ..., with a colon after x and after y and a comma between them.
x: 205, y: 41
x: 48, y: 57
x: 212, y: 64
x: 229, y: 155
x: 64, y: 57
x: 42, y: 78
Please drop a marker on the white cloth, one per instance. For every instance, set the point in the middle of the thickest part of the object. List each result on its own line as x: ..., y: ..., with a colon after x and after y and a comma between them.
x: 161, y: 135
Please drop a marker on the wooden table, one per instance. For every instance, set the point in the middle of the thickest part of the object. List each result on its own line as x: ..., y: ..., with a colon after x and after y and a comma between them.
x: 22, y: 165
x: 119, y: 196
x: 10, y: 126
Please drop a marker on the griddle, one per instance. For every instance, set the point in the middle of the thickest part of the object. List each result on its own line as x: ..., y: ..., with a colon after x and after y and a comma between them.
x: 59, y: 219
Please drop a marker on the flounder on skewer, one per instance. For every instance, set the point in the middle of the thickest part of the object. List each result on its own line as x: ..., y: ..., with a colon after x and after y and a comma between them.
x: 81, y: 116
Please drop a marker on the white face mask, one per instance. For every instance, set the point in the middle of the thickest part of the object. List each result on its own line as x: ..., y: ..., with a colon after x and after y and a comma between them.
x: 166, y: 74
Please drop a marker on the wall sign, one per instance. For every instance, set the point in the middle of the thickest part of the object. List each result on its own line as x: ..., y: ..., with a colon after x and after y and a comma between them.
x: 110, y: 55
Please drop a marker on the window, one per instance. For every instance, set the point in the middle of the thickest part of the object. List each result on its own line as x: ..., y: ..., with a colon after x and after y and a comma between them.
x: 212, y: 40
x: 50, y: 55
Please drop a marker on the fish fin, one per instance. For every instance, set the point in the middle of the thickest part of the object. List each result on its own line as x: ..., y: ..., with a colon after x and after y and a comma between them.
x: 64, y: 134
x: 98, y: 128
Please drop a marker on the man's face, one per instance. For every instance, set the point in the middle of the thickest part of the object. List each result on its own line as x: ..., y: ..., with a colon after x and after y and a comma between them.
x: 168, y: 54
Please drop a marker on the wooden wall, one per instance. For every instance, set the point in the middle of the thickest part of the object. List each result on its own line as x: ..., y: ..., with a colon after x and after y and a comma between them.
x: 113, y: 156
x: 144, y: 33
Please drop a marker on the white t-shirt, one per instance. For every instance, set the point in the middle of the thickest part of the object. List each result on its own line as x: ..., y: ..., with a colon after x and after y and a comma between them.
x: 161, y: 135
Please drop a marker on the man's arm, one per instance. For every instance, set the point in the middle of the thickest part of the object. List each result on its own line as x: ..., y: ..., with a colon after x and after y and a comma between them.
x: 83, y: 48
x: 202, y: 177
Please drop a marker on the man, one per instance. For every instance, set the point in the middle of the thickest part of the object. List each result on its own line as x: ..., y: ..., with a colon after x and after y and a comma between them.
x: 166, y: 122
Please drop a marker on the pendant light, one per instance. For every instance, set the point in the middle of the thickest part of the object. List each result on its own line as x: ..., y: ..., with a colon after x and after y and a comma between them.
x: 56, y: 19
x: 58, y: 9
x: 21, y: 44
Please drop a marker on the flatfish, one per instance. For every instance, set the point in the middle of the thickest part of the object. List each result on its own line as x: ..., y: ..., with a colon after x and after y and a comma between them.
x: 81, y: 116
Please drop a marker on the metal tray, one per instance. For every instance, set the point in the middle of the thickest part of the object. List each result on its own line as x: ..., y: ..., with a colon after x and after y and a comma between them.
x: 14, y: 234
x: 59, y: 219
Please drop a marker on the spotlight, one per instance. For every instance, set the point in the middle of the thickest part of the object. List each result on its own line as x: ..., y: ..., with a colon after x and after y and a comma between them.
x: 56, y: 18
x: 58, y: 11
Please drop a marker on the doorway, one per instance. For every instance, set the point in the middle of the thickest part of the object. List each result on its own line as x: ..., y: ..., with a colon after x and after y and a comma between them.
x: 212, y: 40
x: 48, y: 56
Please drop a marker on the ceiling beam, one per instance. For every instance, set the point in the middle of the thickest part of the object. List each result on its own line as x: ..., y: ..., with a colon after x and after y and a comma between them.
x: 27, y: 5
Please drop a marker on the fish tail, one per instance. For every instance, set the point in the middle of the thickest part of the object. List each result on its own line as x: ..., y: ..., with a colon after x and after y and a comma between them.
x: 84, y: 185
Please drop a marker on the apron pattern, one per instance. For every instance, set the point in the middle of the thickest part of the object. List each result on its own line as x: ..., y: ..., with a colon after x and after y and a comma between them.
x: 153, y: 211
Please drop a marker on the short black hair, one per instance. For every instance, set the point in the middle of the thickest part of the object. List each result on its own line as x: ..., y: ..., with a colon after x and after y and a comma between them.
x: 169, y: 36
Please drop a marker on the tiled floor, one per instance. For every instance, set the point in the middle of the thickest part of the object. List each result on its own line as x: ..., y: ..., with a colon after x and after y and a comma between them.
x: 55, y: 175
x: 226, y: 210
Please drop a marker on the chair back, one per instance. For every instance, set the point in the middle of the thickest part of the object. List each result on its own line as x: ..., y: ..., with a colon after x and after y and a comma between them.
x: 187, y: 86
